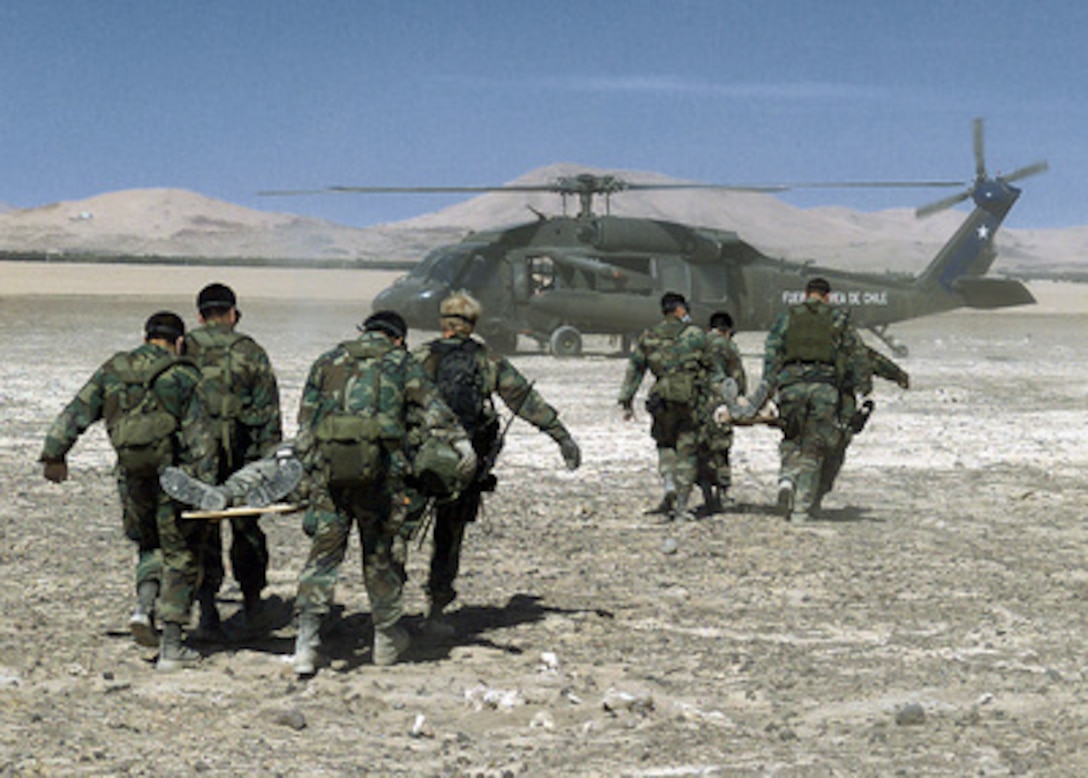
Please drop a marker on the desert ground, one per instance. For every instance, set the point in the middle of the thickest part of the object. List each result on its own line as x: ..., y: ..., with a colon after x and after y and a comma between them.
x: 931, y: 622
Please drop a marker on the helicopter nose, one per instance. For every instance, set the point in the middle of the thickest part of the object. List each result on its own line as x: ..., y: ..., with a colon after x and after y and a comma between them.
x: 386, y: 299
x: 417, y: 304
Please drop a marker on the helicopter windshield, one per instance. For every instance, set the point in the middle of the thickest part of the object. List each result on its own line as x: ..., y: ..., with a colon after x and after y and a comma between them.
x: 445, y: 265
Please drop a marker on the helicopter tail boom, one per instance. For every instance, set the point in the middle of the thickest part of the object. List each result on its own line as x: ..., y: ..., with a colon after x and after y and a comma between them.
x: 993, y: 292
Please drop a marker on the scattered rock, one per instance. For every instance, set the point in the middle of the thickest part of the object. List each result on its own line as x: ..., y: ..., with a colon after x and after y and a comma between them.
x: 542, y: 720
x: 549, y: 662
x: 481, y: 697
x: 616, y: 701
x: 670, y: 546
x: 291, y: 717
x: 421, y: 728
x: 911, y: 714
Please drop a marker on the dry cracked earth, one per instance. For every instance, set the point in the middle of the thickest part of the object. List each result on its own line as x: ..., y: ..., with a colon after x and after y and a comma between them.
x: 931, y: 623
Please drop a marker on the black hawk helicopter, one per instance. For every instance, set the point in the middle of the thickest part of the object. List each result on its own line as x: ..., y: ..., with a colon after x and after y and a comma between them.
x: 561, y: 277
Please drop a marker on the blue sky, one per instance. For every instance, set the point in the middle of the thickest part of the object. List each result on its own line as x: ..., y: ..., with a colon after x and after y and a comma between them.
x: 229, y: 98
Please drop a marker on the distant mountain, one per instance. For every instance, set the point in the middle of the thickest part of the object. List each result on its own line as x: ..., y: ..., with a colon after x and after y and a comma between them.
x: 179, y: 223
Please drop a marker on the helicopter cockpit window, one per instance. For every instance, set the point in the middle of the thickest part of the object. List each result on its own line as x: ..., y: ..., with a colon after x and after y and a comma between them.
x: 475, y: 272
x: 446, y: 266
x: 541, y: 275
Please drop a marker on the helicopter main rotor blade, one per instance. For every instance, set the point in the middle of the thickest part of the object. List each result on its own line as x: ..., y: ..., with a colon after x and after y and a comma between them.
x: 442, y: 189
x: 1028, y: 170
x: 786, y: 186
x: 979, y: 143
x: 941, y: 205
x: 290, y: 192
x: 613, y: 186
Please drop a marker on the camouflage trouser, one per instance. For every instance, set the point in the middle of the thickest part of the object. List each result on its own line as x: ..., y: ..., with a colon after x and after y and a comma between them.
x: 713, y: 456
x: 810, y: 414
x: 143, y: 506
x: 185, y: 544
x: 331, y: 518
x: 673, y: 430
x: 450, y: 520
x: 836, y: 456
x: 248, y: 544
x: 248, y: 557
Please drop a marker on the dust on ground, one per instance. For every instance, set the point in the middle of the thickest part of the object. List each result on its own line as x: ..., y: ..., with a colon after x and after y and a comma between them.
x: 933, y: 622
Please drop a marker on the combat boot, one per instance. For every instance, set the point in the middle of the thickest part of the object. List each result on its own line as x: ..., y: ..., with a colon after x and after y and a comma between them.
x: 434, y: 624
x: 712, y: 503
x: 192, y: 491
x: 665, y: 507
x: 390, y: 644
x: 306, y: 644
x: 142, y: 621
x: 680, y: 511
x: 210, y: 627
x: 278, y: 483
x: 784, y: 506
x: 173, y: 654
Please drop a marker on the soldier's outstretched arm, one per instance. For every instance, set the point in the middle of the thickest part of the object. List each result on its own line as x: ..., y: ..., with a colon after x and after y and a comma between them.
x: 79, y: 414
x: 637, y: 365
x: 884, y: 367
x: 525, y: 402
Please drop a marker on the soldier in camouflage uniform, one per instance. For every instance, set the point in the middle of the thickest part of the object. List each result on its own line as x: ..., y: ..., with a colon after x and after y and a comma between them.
x: 354, y: 413
x: 811, y: 352
x: 850, y: 420
x: 240, y: 392
x: 713, y: 473
x: 467, y: 374
x: 675, y: 352
x: 149, y: 382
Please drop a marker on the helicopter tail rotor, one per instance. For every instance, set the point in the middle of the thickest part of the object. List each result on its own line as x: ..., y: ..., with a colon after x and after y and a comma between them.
x: 981, y: 176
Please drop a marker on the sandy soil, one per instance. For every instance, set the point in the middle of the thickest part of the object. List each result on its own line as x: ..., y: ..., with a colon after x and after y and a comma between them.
x: 932, y: 623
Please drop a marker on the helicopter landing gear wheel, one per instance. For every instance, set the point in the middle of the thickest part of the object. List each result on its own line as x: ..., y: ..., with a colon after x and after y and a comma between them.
x: 566, y: 341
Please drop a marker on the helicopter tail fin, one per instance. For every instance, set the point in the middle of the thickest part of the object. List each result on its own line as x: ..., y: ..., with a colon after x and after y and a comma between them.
x: 959, y: 270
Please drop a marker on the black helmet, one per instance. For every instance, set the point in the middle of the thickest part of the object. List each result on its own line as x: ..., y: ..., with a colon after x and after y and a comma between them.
x: 389, y: 322
x: 215, y: 297
x: 164, y: 325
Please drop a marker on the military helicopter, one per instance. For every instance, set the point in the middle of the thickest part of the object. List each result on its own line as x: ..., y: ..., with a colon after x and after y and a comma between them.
x: 559, y: 278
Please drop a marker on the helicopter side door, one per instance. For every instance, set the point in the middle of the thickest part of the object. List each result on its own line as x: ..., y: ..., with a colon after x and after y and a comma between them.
x: 673, y: 274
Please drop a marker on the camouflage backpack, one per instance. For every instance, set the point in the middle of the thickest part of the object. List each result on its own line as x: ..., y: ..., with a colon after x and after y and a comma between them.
x: 140, y: 430
x: 350, y: 438
x: 211, y: 349
x: 676, y: 371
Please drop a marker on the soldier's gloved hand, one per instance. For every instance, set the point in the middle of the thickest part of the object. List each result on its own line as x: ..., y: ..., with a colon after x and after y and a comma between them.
x: 722, y: 416
x: 309, y: 523
x: 904, y: 381
x: 56, y: 471
x: 466, y: 468
x: 628, y: 410
x: 572, y: 455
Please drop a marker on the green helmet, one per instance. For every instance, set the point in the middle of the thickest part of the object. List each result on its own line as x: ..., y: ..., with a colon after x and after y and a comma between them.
x: 437, y: 469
